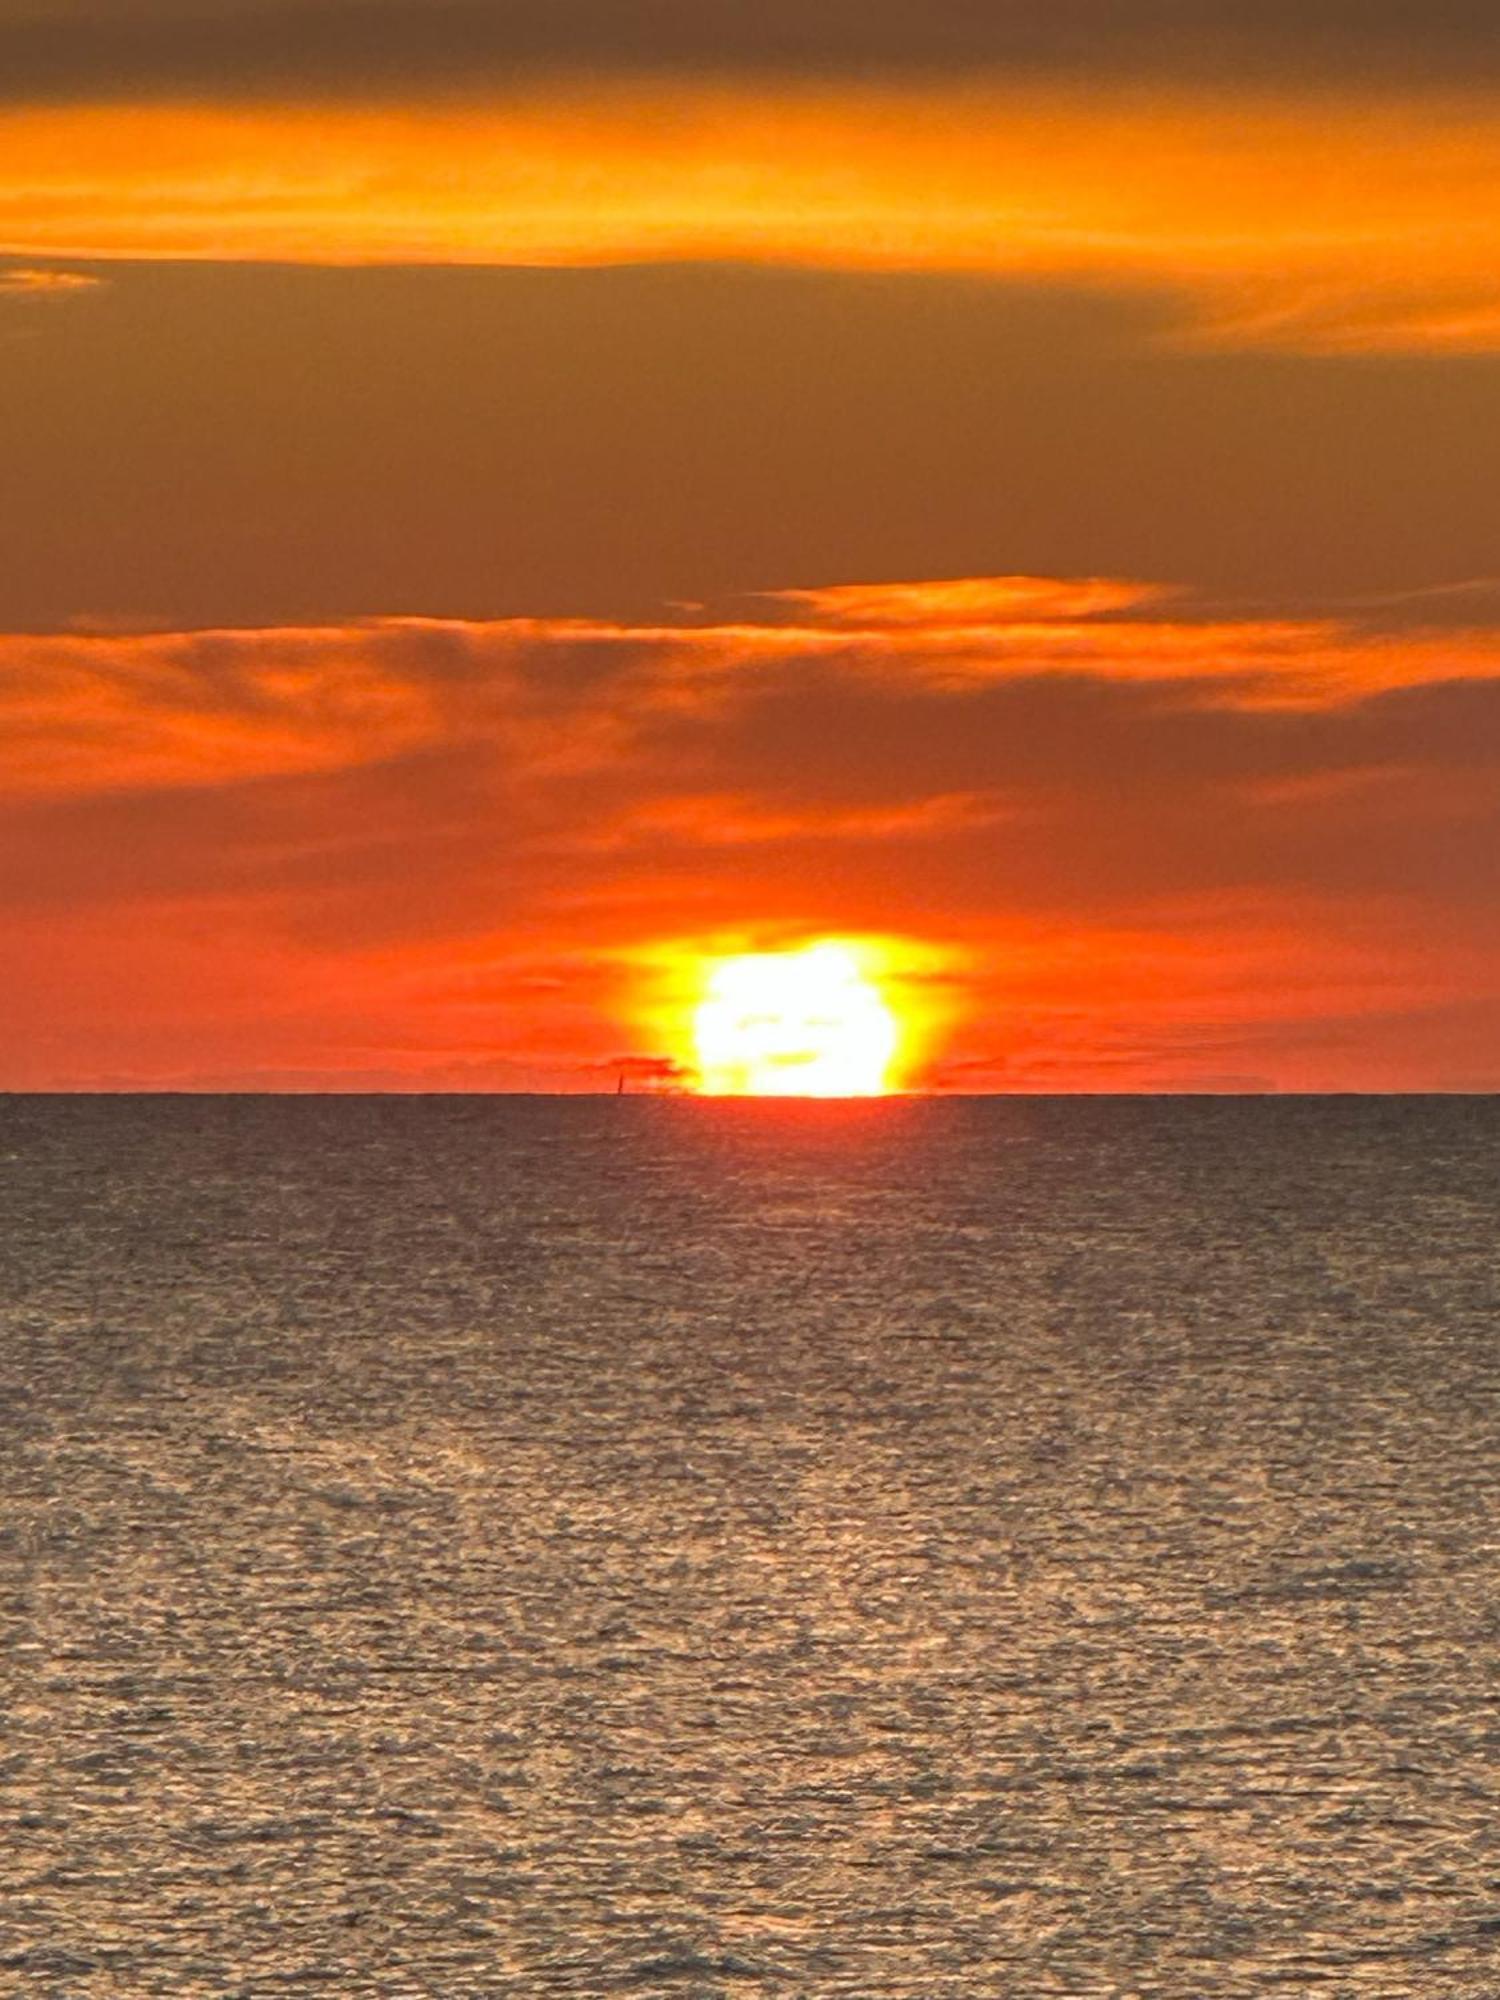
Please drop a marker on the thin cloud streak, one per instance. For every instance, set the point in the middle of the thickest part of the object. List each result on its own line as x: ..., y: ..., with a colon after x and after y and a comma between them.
x: 48, y: 285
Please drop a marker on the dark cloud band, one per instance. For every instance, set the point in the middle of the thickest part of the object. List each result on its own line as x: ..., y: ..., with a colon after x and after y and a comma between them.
x: 135, y: 48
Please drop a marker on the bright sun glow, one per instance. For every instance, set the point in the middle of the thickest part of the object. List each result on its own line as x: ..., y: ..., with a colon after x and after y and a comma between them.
x: 808, y: 1023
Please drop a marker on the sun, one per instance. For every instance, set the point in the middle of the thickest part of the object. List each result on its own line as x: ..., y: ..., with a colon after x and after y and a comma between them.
x: 805, y: 1023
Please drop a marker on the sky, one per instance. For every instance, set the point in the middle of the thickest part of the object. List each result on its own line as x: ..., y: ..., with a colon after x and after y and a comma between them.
x: 508, y: 503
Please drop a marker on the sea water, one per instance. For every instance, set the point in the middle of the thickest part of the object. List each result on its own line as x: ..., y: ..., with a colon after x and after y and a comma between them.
x: 931, y: 1549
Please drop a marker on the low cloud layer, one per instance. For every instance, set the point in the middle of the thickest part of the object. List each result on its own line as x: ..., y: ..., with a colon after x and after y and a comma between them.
x: 1133, y: 842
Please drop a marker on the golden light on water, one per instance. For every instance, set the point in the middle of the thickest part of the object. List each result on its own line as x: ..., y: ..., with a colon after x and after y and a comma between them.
x: 805, y: 1023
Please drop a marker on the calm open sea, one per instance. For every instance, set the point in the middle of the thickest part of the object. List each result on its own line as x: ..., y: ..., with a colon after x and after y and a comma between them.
x: 946, y: 1550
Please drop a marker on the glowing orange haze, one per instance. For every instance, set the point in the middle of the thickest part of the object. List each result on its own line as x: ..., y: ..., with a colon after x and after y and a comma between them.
x: 1367, y: 222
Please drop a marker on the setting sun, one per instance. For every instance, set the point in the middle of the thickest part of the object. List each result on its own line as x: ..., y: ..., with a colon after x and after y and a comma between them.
x: 808, y: 1023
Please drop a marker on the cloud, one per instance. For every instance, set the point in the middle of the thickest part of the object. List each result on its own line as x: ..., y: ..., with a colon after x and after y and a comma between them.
x: 1368, y: 226
x: 563, y: 698
x: 412, y: 846
x: 965, y: 601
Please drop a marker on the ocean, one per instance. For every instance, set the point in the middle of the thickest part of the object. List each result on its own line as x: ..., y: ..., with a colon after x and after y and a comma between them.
x: 937, y: 1549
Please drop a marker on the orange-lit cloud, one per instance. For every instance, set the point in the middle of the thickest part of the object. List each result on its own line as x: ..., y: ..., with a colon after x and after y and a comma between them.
x: 568, y: 697
x: 1331, y: 222
x: 1124, y: 842
x: 966, y: 601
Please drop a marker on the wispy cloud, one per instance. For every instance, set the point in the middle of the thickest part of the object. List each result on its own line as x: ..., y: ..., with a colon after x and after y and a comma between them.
x: 139, y: 711
x: 1343, y: 224
x: 966, y: 601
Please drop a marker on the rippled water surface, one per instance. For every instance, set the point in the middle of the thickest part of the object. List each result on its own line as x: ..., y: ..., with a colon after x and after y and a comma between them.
x: 506, y: 1547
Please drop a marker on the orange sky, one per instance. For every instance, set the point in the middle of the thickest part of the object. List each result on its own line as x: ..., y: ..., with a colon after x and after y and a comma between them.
x: 495, y: 521
x: 1108, y: 844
